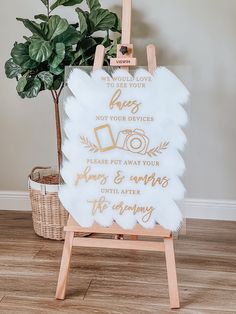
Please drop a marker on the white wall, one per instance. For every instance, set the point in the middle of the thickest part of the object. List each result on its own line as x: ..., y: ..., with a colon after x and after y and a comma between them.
x: 196, y: 33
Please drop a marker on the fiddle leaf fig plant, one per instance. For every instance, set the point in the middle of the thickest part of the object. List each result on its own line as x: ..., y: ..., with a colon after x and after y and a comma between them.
x: 38, y: 63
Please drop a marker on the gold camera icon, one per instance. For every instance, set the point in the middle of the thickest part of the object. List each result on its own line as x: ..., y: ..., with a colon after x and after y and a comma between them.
x: 134, y: 141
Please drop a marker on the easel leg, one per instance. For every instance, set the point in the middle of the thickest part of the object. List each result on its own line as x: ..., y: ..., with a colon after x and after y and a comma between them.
x: 171, y: 273
x: 65, y: 265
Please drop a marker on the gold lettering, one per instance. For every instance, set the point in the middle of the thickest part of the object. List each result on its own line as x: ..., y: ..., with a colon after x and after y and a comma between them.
x: 119, y: 178
x: 87, y: 176
x: 116, y: 103
x: 99, y: 205
x: 152, y: 179
x: 146, y: 210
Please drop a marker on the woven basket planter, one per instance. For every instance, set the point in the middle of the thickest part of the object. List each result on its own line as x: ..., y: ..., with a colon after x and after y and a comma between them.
x: 49, y: 216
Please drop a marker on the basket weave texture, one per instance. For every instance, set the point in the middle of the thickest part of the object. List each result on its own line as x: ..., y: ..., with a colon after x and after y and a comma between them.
x: 49, y: 216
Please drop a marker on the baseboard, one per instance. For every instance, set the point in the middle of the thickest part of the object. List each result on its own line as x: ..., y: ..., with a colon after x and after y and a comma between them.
x: 14, y: 200
x: 193, y: 208
x: 210, y: 209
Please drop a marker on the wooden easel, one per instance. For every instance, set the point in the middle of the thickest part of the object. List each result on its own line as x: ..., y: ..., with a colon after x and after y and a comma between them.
x: 124, y: 59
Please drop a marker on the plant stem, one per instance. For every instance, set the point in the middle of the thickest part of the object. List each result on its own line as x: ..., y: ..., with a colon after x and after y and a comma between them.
x: 48, y: 10
x: 56, y: 96
x: 60, y: 90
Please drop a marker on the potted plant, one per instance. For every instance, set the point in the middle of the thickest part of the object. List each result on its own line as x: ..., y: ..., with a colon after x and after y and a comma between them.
x: 38, y: 64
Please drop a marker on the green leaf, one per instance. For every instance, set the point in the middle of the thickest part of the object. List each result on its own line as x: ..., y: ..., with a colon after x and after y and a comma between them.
x: 32, y: 88
x: 57, y: 83
x: 98, y: 40
x: 12, y: 69
x: 82, y: 22
x: 86, y: 16
x: 102, y: 20
x: 20, y: 55
x: 69, y: 3
x: 75, y: 25
x: 106, y: 41
x: 86, y: 45
x: 40, y: 50
x: 46, y: 78
x: 60, y: 54
x: 21, y: 84
x: 70, y: 37
x: 45, y: 29
x: 69, y: 57
x: 27, y: 38
x: 42, y: 17
x: 45, y: 2
x: 93, y: 4
x: 22, y: 95
x: 87, y: 60
x: 56, y: 71
x: 113, y: 50
x: 65, y: 3
x: 117, y: 26
x: 60, y: 50
x: 33, y: 27
x: 57, y: 26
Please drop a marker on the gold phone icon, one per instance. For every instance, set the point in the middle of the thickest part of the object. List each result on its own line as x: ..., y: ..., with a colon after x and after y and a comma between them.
x: 105, y: 138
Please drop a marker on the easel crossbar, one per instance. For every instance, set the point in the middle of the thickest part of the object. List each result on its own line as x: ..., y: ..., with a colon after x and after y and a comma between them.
x: 157, y: 231
x: 122, y: 244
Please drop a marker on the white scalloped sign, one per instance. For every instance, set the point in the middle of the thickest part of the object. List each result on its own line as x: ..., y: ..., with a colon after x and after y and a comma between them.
x: 122, y: 148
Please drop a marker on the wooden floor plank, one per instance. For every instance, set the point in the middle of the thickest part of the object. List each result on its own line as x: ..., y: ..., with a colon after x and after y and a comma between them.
x: 187, y: 254
x: 191, y: 297
x: 36, y: 305
x: 26, y: 250
x: 43, y: 286
x: 114, y: 281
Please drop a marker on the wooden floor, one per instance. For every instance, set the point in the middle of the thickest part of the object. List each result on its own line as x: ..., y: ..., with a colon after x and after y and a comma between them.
x: 116, y: 282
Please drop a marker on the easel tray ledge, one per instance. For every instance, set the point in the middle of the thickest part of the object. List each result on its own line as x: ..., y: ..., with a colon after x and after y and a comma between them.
x: 157, y: 231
